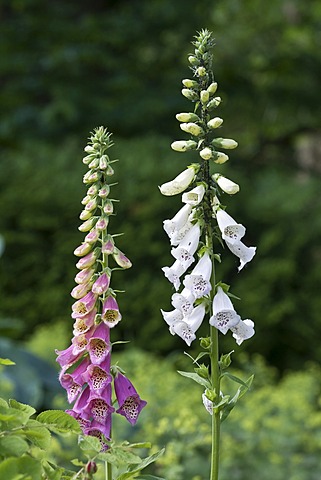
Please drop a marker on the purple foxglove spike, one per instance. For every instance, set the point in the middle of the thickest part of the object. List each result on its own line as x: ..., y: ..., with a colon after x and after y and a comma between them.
x: 121, y: 259
x: 98, y: 377
x: 84, y: 324
x: 84, y: 275
x: 83, y: 306
x: 66, y: 358
x: 99, y: 344
x: 109, y: 246
x: 101, y: 284
x: 110, y: 312
x: 73, y: 382
x: 92, y: 236
x: 130, y: 403
x: 83, y: 249
x: 80, y: 291
x: 87, y: 261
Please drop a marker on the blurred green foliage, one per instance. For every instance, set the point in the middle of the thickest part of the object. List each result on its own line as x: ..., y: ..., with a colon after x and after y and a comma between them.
x: 67, y: 67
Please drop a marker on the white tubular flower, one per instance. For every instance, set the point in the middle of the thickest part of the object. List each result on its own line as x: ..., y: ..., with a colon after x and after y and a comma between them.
x: 227, y: 143
x: 171, y: 317
x: 179, y: 184
x: 194, y: 196
x: 231, y: 231
x: 220, y: 157
x: 215, y: 122
x: 198, y: 281
x: 183, y: 145
x: 208, y: 404
x: 224, y: 316
x: 178, y: 235
x: 225, y: 184
x: 244, y: 253
x: 174, y: 272
x: 192, y: 128
x: 178, y: 221
x: 243, y: 330
x: 183, y: 301
x: 187, y: 247
x: 186, y: 328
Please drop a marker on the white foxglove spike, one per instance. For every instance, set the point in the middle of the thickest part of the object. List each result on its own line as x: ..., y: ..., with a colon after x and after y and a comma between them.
x: 224, y: 316
x: 194, y: 196
x: 198, y: 281
x: 179, y: 184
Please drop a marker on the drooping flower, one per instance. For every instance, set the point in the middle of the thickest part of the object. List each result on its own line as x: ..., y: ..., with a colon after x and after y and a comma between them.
x: 194, y: 196
x: 174, y: 273
x: 180, y: 183
x: 183, y: 301
x: 110, y: 314
x: 101, y: 285
x: 129, y: 402
x: 187, y: 327
x: 187, y: 247
x: 244, y: 253
x: 224, y: 316
x: 178, y: 221
x: 228, y: 186
x: 243, y: 330
x: 198, y: 281
x: 84, y: 306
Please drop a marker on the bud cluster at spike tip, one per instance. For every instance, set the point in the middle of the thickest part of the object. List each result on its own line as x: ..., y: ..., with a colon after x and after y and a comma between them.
x: 202, y: 211
x: 86, y: 371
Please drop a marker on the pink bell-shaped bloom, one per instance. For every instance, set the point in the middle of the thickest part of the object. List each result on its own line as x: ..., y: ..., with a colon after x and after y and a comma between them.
x: 73, y: 382
x: 84, y: 275
x: 99, y: 344
x: 110, y: 313
x: 83, y: 306
x: 100, y: 431
x: 224, y: 316
x: 198, y: 282
x: 66, y: 358
x: 83, y: 324
x: 130, y: 403
x: 99, y: 407
x: 101, y: 285
x: 98, y: 376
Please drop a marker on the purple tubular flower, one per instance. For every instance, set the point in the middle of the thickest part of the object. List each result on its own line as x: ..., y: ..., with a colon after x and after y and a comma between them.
x: 67, y: 357
x: 130, y: 403
x: 83, y: 324
x: 99, y: 344
x: 83, y: 306
x: 73, y: 382
x: 98, y: 376
x: 110, y: 312
x: 101, y: 284
x: 100, y: 431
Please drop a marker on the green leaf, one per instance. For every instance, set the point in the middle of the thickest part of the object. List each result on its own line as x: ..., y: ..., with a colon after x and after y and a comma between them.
x: 59, y: 421
x: 3, y: 403
x: 200, y: 355
x: 22, y: 407
x: 30, y: 467
x: 239, y: 394
x: 13, y: 445
x: 6, y: 361
x: 140, y: 445
x: 37, y: 434
x: 13, y: 417
x: 136, y: 469
x: 196, y: 378
x: 9, y: 469
x: 149, y: 477
x: 90, y: 444
x: 119, y: 456
x: 234, y: 379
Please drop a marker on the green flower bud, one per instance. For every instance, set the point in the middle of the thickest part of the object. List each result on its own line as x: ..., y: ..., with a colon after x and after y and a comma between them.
x: 103, y: 162
x: 189, y: 83
x: 201, y: 71
x: 204, y: 96
x: 187, y: 117
x: 205, y: 342
x: 214, y: 103
x: 86, y: 160
x: 190, y: 94
x: 192, y: 128
x: 183, y: 145
x: 92, y: 190
x: 212, y: 88
x: 89, y: 149
x: 88, y: 225
x: 215, y: 122
x: 220, y: 157
x: 193, y: 60
x: 110, y: 171
x: 91, y: 177
x: 206, y: 153
x: 227, y: 143
x: 85, y: 215
x: 94, y: 163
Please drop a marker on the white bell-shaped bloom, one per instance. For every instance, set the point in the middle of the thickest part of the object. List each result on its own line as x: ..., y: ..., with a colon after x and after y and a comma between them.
x: 228, y: 186
x: 186, y: 328
x: 198, y: 280
x: 187, y: 247
x: 174, y: 272
x: 231, y: 231
x: 208, y: 404
x: 244, y: 253
x: 183, y: 301
x: 178, y: 235
x: 179, y: 184
x: 194, y: 196
x: 224, y: 316
x: 172, y: 316
x: 243, y: 330
x: 178, y: 221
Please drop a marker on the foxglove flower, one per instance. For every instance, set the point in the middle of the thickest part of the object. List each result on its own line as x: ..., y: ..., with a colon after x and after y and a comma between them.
x: 187, y: 327
x: 183, y: 301
x: 224, y: 316
x: 187, y: 247
x: 110, y: 314
x: 243, y: 330
x: 174, y: 273
x: 198, y: 281
x: 194, y: 196
x: 178, y: 221
x: 130, y: 403
x: 180, y: 183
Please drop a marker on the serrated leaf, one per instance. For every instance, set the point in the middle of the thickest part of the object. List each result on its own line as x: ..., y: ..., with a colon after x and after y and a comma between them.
x: 22, y: 407
x: 37, y: 434
x: 13, y: 445
x: 12, y: 416
x: 6, y: 361
x: 89, y: 444
x: 118, y: 456
x: 59, y: 421
x: 137, y: 468
x: 196, y: 378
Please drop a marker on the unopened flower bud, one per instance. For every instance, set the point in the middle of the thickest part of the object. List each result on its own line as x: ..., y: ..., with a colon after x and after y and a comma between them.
x: 91, y: 205
x: 92, y: 236
x: 87, y: 225
x: 225, y: 184
x: 180, y: 183
x: 204, y: 96
x: 121, y: 259
x: 187, y: 117
x: 212, y: 88
x: 108, y: 207
x: 86, y: 199
x: 80, y: 291
x: 91, y: 467
x: 190, y: 94
x: 104, y: 191
x: 110, y: 171
x: 214, y: 103
x: 183, y: 145
x: 201, y: 71
x: 192, y: 128
x: 206, y: 153
x: 84, y: 275
x: 94, y: 163
x: 215, y: 122
x: 89, y: 149
x: 103, y: 162
x: 91, y: 177
x: 109, y: 246
x: 193, y: 60
x: 85, y: 215
x: 92, y: 190
x: 102, y: 223
x: 101, y: 285
x: 88, y: 260
x: 189, y: 83
x: 220, y: 157
x: 83, y: 249
x: 86, y: 160
x: 227, y: 143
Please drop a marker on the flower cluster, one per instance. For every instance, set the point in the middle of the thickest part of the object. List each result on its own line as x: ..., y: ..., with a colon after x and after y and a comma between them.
x: 86, y: 371
x: 202, y: 216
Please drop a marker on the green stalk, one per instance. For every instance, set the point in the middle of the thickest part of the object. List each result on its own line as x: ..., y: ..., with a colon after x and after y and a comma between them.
x: 108, y: 471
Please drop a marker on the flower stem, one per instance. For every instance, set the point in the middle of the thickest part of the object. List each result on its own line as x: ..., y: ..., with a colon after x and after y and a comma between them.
x: 108, y: 471
x: 216, y: 420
